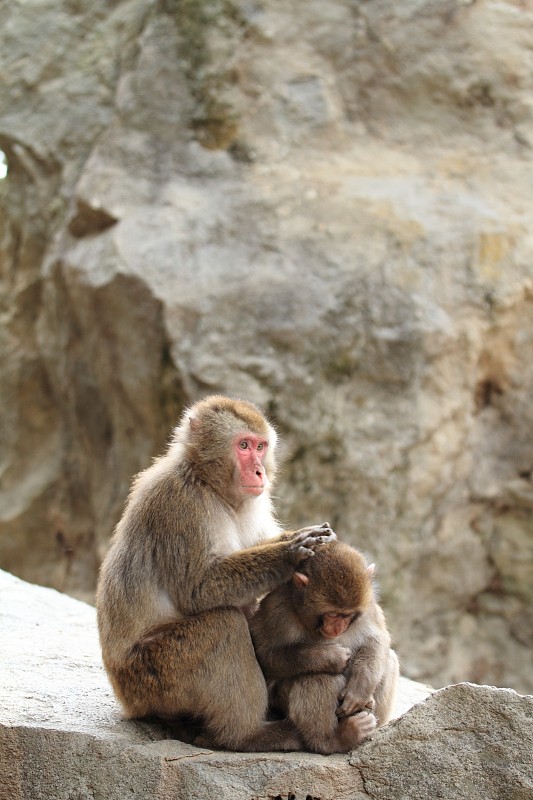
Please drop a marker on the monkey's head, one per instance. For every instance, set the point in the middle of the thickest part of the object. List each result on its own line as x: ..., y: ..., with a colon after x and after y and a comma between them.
x: 230, y: 445
x: 332, y: 589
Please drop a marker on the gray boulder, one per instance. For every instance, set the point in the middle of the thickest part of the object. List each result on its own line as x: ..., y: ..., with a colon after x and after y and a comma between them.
x: 62, y: 736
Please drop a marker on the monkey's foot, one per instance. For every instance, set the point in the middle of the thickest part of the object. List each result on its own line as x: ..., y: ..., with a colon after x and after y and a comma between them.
x: 355, y: 729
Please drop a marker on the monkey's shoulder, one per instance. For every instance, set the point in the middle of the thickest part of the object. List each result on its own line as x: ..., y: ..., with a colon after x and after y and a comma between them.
x: 276, y: 616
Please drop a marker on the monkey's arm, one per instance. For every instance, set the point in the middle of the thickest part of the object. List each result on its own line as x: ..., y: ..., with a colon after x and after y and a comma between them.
x: 292, y: 660
x: 365, y: 671
x: 239, y: 578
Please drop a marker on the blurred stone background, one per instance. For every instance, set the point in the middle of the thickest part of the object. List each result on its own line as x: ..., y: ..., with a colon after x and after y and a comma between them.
x: 324, y: 206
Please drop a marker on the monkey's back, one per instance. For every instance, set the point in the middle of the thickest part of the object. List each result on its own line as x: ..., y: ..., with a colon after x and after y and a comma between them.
x: 139, y: 580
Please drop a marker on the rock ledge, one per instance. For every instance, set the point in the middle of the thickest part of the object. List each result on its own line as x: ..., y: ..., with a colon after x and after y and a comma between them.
x: 62, y: 735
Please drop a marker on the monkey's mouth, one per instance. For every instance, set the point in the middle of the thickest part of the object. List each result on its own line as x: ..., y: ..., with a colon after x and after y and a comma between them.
x: 255, y: 489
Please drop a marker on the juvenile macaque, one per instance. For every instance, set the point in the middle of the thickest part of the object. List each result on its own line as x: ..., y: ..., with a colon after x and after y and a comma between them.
x: 198, y: 543
x: 322, y: 642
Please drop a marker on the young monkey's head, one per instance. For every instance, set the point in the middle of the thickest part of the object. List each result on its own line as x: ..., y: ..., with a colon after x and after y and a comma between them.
x: 333, y: 589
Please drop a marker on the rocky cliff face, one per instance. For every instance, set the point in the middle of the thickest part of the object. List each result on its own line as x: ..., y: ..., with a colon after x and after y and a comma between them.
x: 324, y: 207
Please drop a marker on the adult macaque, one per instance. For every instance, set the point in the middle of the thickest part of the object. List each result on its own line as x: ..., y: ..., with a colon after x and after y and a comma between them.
x: 197, y: 545
x: 322, y: 642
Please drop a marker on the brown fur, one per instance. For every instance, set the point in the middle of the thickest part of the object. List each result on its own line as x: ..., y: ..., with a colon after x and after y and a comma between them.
x: 335, y: 691
x: 189, y: 554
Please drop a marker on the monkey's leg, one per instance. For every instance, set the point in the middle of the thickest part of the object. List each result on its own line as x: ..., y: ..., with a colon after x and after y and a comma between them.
x: 311, y: 704
x: 385, y: 694
x: 235, y: 708
x: 205, y: 667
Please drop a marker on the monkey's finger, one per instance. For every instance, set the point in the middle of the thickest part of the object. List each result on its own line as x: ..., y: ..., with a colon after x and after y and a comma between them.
x: 350, y: 705
x: 302, y: 553
x: 342, y: 710
x: 329, y: 537
x: 318, y: 534
x: 315, y: 541
x: 314, y: 530
x: 349, y: 712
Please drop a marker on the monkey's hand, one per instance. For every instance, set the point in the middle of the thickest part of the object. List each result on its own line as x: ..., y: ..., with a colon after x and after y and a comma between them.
x: 311, y: 530
x: 304, y: 542
x: 351, y: 701
x: 331, y: 658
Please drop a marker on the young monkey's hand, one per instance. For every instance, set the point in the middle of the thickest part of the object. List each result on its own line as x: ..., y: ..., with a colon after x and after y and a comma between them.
x: 333, y: 658
x: 351, y: 702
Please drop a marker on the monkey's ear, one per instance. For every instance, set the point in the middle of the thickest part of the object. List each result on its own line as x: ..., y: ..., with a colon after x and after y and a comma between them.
x: 371, y: 569
x: 299, y: 579
x: 193, y: 424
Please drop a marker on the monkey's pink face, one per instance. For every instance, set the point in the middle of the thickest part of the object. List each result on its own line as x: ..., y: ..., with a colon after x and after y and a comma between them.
x: 250, y: 452
x: 335, y: 623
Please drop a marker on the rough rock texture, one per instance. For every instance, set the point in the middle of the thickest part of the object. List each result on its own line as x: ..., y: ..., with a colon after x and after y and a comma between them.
x: 323, y: 206
x: 61, y: 735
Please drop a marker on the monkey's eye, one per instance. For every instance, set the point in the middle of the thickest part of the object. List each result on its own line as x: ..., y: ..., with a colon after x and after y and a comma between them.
x: 261, y: 446
x: 243, y: 445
